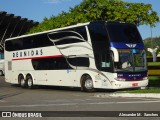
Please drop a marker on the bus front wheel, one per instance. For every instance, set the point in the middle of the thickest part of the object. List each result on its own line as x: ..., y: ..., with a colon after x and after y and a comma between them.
x: 87, y: 84
x: 29, y: 81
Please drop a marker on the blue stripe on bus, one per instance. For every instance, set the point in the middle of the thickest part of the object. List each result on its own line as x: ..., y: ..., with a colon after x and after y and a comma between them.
x: 132, y: 77
x: 127, y: 45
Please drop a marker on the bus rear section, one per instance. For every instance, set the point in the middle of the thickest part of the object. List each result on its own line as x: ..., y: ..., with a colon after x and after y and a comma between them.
x: 2, y: 71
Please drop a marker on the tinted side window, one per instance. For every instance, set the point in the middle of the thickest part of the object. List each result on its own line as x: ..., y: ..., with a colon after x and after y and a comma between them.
x: 98, y: 32
x: 12, y: 45
x: 101, y: 46
x: 28, y: 42
x: 50, y: 64
x: 36, y: 41
x: 81, y: 31
x: 41, y: 41
x: 69, y: 36
x: 79, y: 61
x: 103, y: 61
x: 8, y: 45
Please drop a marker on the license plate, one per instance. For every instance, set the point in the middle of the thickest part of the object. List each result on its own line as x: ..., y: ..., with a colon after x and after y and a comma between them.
x: 135, y: 84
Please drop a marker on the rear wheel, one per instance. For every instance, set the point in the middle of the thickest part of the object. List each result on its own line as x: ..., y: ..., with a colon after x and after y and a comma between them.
x: 1, y: 73
x: 87, y: 84
x: 21, y: 81
x: 29, y: 81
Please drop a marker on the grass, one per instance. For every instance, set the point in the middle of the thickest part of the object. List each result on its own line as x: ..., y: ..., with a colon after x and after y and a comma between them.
x: 154, y: 81
x: 153, y: 63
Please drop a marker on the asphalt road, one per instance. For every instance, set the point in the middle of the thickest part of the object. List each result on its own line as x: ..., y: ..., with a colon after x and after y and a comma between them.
x: 51, y: 99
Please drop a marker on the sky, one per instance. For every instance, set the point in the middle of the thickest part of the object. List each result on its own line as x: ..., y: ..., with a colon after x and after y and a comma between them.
x: 38, y: 9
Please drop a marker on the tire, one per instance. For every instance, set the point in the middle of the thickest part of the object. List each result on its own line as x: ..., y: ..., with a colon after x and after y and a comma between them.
x: 21, y: 81
x: 87, y: 84
x: 29, y: 82
x: 1, y: 73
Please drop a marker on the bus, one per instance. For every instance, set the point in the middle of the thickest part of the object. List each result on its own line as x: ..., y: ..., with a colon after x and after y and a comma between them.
x: 92, y: 55
x: 1, y: 64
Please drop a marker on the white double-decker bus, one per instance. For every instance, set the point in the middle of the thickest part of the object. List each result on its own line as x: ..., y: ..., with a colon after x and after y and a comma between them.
x: 105, y: 55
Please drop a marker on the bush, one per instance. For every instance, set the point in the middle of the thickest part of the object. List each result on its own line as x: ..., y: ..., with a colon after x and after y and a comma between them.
x: 158, y: 51
x: 149, y: 54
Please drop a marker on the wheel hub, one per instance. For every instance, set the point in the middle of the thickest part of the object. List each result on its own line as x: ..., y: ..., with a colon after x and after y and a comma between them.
x: 22, y: 82
x: 29, y: 82
x: 88, y: 84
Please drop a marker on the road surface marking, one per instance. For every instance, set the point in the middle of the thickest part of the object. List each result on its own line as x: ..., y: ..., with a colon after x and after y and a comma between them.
x: 73, y: 104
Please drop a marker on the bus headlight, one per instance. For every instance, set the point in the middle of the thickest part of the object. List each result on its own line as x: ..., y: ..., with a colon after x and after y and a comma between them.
x: 145, y: 78
x: 120, y: 79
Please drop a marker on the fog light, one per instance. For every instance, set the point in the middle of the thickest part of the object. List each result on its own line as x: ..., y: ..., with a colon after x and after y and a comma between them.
x: 145, y: 78
x: 120, y: 79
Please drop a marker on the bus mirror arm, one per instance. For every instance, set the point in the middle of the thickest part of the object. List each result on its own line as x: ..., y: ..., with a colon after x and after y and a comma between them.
x: 115, y: 53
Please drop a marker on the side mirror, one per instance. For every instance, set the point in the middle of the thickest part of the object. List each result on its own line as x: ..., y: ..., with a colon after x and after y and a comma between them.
x: 115, y: 53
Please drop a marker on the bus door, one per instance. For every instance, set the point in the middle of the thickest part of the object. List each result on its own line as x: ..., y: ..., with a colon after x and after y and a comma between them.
x: 71, y: 77
x: 77, y: 63
x: 72, y: 70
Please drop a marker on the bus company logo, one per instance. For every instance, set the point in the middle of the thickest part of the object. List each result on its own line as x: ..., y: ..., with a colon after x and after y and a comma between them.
x: 27, y: 53
x: 6, y: 114
x: 21, y: 114
x: 135, y: 75
x: 131, y: 45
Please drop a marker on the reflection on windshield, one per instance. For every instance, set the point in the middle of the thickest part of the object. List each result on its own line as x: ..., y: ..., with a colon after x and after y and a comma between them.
x: 131, y: 61
x: 126, y: 32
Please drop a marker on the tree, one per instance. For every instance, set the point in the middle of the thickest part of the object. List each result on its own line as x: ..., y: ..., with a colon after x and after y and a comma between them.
x: 148, y: 42
x: 152, y: 43
x: 108, y: 10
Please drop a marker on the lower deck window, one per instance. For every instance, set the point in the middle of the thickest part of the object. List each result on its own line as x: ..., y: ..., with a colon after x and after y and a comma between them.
x: 59, y: 63
x: 50, y: 64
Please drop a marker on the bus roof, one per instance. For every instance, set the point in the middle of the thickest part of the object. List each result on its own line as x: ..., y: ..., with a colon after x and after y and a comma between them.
x: 38, y: 33
x: 62, y: 28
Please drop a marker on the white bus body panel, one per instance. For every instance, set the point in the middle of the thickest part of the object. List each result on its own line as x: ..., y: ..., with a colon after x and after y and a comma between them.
x: 2, y: 66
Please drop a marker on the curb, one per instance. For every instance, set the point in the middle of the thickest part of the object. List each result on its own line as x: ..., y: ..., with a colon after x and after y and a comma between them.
x: 146, y: 95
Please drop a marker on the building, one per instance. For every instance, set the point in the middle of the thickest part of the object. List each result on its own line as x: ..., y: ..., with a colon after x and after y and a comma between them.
x: 12, y: 26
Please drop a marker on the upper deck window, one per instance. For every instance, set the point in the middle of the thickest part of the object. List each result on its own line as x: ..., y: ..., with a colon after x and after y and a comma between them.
x: 66, y: 36
x: 122, y: 32
x: 98, y: 32
x: 69, y: 36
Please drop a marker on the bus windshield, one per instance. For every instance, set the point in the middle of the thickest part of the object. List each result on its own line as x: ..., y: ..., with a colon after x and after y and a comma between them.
x: 131, y: 60
x: 124, y: 33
